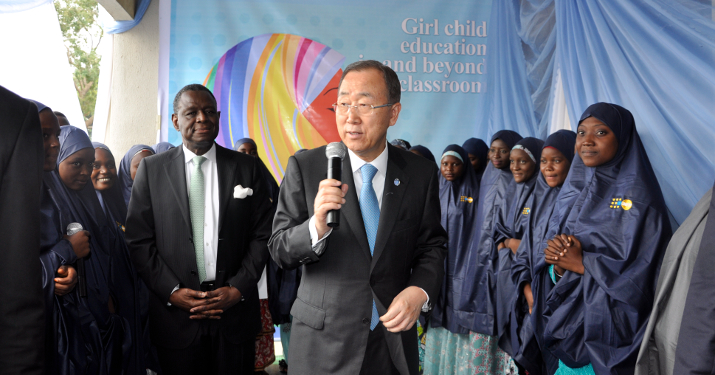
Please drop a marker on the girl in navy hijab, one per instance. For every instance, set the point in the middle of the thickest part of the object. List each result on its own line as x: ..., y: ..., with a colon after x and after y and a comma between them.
x: 447, y: 343
x: 102, y: 329
x: 478, y: 152
x: 128, y: 168
x: 476, y: 309
x: 133, y: 300
x: 607, y: 253
x: 527, y: 269
x: 64, y: 346
x: 510, y: 224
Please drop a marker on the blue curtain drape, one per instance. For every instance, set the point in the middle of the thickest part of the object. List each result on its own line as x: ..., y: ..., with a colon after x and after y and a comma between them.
x: 654, y: 57
x: 521, y: 49
x: 118, y: 27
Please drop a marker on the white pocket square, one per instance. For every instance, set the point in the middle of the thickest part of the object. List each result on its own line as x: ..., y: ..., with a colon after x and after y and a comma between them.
x: 241, y: 192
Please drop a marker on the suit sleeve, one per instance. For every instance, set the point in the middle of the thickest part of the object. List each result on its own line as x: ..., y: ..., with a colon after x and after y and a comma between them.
x: 141, y: 239
x: 290, y: 244
x: 261, y: 214
x: 428, y: 261
x: 22, y: 317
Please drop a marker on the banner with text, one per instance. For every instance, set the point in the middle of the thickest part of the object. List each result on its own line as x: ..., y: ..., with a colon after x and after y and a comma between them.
x: 274, y: 67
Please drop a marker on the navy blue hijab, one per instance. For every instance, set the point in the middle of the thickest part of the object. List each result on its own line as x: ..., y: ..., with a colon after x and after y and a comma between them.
x: 424, y: 151
x: 103, y: 331
x: 511, y: 221
x: 112, y: 199
x: 161, y: 147
x: 477, y: 305
x: 621, y: 220
x: 478, y: 148
x: 458, y: 200
x: 528, y: 266
x: 124, y: 173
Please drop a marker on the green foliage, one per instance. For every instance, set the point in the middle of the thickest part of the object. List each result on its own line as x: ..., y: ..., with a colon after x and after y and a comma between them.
x: 82, y: 35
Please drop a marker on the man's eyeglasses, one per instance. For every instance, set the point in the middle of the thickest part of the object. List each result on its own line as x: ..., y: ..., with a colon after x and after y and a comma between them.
x: 360, y: 109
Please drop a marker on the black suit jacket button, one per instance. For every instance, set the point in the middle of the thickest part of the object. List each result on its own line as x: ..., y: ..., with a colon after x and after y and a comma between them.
x: 365, y: 321
x: 193, y: 272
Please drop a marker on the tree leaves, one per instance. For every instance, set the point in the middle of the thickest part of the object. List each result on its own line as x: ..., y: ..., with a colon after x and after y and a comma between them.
x: 82, y: 35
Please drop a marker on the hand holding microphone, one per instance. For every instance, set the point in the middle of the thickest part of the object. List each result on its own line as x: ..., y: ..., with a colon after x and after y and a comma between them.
x: 331, y: 192
x: 79, y: 239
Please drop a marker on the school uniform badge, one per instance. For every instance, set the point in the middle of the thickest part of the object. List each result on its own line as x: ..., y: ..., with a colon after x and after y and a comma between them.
x: 625, y: 204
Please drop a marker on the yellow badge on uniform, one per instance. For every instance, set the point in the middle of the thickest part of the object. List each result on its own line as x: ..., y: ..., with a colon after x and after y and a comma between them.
x: 526, y: 211
x: 466, y: 199
x: 625, y: 204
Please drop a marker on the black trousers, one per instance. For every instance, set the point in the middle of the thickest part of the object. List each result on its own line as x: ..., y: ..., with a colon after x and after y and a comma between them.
x: 377, y: 355
x: 210, y: 353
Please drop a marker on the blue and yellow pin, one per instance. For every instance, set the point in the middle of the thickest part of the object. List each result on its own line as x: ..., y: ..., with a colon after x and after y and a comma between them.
x: 526, y: 211
x: 466, y: 199
x: 625, y: 204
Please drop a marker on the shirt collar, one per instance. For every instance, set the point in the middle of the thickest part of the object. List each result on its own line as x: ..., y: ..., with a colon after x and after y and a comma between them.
x: 210, y: 154
x: 380, y: 162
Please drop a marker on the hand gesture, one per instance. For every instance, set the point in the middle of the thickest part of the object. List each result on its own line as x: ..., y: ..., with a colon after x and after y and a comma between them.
x: 188, y: 299
x: 80, y: 243
x: 404, y: 310
x: 564, y: 251
x: 217, y: 301
x: 66, y: 280
x: 331, y: 196
x: 529, y: 296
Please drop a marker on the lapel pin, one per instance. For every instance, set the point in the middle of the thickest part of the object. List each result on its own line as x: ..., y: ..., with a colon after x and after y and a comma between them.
x: 397, y: 182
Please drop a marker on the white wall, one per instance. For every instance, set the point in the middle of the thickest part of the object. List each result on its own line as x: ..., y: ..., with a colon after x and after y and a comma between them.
x: 34, y: 61
x: 132, y: 109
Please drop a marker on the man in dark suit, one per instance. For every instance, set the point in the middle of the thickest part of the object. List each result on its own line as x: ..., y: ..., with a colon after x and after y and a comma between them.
x: 197, y: 226
x: 365, y: 282
x: 22, y: 318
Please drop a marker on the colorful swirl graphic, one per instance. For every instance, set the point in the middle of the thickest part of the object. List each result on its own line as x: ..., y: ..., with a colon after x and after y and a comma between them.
x: 277, y: 89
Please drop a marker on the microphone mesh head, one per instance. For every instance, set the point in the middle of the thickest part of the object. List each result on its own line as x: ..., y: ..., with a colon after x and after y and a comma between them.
x: 73, y: 228
x: 336, y: 150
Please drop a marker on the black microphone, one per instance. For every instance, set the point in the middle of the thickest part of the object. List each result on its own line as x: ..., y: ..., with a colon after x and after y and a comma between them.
x: 335, y: 152
x: 73, y: 228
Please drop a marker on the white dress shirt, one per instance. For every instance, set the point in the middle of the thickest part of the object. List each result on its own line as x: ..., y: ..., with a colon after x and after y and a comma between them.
x: 378, y: 184
x: 211, y: 206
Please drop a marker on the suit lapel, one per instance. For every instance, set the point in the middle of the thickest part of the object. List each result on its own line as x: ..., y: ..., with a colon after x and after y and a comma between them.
x: 176, y: 174
x: 226, y: 176
x: 351, y: 214
x: 391, y: 200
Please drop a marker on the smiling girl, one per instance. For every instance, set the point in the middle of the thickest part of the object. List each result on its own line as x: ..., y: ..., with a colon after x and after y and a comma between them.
x: 527, y: 272
x: 510, y: 223
x: 608, y: 241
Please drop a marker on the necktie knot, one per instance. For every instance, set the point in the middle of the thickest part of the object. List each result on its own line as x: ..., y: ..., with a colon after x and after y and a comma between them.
x: 368, y: 171
x: 198, y: 160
